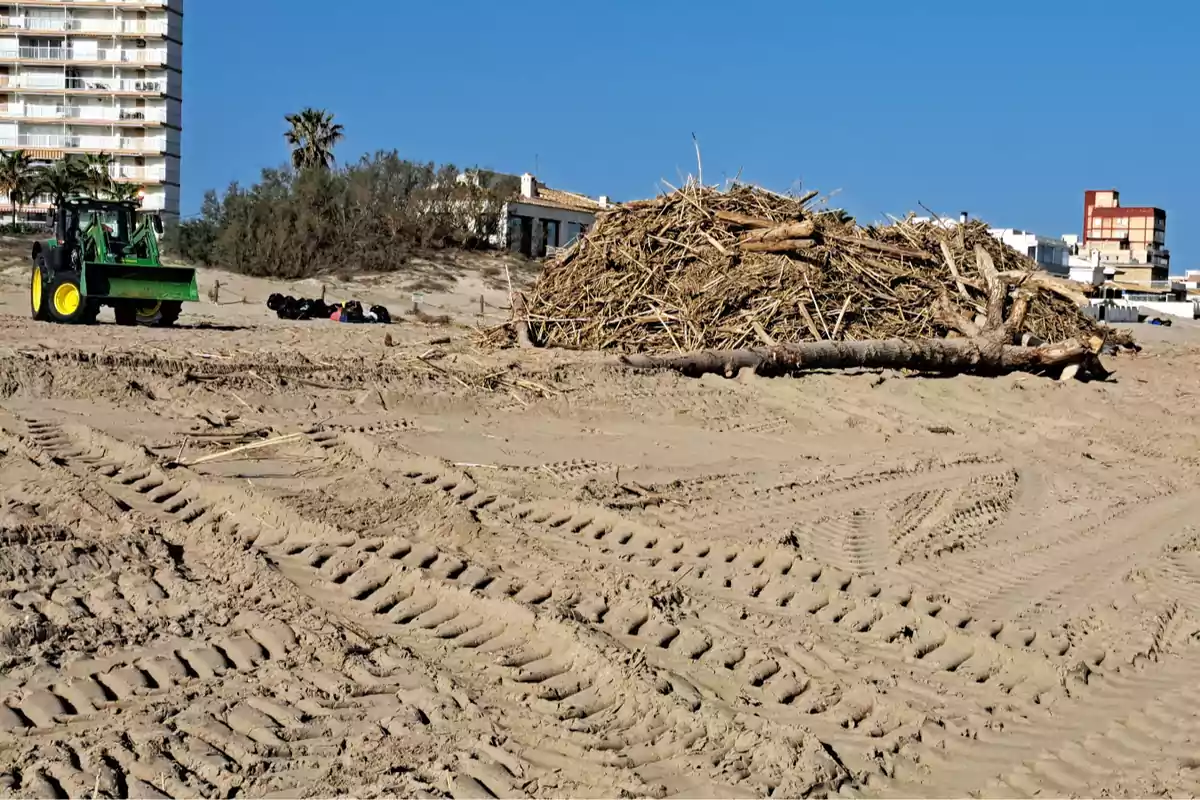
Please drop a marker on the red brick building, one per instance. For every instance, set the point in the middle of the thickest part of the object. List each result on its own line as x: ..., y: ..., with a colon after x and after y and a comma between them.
x: 1134, y: 235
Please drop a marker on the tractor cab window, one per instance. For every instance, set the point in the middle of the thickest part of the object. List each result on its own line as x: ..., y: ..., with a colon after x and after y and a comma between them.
x: 72, y: 226
x: 114, y: 220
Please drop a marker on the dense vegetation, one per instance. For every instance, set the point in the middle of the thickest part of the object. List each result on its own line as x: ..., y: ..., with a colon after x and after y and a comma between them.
x: 314, y: 216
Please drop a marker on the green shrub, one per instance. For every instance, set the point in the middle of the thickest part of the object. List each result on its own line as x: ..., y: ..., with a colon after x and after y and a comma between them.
x: 369, y: 216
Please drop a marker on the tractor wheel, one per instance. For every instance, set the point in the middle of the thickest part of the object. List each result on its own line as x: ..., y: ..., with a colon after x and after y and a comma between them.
x: 66, y: 303
x: 39, y: 308
x: 157, y: 313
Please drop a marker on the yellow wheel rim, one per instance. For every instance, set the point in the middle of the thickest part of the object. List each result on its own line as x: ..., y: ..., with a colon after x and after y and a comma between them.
x: 35, y: 290
x: 66, y: 299
x: 149, y: 311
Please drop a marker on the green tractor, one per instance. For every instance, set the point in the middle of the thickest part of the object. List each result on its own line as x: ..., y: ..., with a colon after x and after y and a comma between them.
x: 105, y: 253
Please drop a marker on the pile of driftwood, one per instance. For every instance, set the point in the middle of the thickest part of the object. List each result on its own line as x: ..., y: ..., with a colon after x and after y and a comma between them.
x: 782, y: 287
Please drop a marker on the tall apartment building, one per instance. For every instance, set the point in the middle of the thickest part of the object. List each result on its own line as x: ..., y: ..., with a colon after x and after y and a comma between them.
x: 96, y: 76
x: 1133, y: 236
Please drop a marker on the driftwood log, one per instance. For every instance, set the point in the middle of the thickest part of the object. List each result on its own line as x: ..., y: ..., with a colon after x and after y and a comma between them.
x: 979, y: 356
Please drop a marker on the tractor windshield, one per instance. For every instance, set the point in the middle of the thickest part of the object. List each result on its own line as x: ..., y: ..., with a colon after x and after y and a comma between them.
x: 115, y: 221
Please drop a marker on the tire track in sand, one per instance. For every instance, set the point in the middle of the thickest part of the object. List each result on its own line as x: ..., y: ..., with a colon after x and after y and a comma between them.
x: 998, y: 657
x: 1076, y: 562
x: 1128, y: 724
x: 984, y: 655
x: 127, y: 678
x: 54, y: 727
x: 698, y: 656
x: 845, y: 522
x: 1096, y: 692
x: 781, y: 579
x: 610, y: 712
x: 930, y: 524
x: 259, y: 741
x: 774, y: 576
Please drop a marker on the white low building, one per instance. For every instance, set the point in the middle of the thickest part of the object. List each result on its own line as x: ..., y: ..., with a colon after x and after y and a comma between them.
x: 1050, y: 253
x: 1087, y: 273
x: 1090, y: 269
x: 1190, y: 279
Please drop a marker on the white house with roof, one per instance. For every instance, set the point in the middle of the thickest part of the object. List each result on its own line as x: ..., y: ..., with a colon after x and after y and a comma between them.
x: 541, y: 219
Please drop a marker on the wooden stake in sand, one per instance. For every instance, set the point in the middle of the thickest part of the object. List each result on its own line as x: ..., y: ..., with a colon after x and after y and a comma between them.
x: 520, y: 320
x: 520, y: 317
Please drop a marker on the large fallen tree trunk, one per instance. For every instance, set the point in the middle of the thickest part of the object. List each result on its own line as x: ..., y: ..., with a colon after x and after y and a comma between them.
x: 979, y: 355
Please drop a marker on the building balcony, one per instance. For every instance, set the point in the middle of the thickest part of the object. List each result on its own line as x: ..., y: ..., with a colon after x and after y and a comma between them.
x: 61, y: 83
x: 131, y: 174
x: 85, y: 143
x: 84, y: 115
x: 132, y: 5
x: 41, y: 206
x: 136, y: 5
x: 70, y: 25
x: 75, y: 55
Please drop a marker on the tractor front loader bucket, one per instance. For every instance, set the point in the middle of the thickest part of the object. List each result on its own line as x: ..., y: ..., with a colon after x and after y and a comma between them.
x: 134, y: 282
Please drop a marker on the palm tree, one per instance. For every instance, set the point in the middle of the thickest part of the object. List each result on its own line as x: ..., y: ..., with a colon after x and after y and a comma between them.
x: 60, y: 180
x: 125, y: 191
x: 312, y: 137
x: 94, y: 171
x: 16, y: 178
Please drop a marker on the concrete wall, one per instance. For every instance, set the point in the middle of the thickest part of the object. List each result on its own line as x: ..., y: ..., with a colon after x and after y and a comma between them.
x: 1111, y: 313
x: 1089, y: 274
x: 1139, y: 273
x: 1186, y: 310
x: 1115, y: 253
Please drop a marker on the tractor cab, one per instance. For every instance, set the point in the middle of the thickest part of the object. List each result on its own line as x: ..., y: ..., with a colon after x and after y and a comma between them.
x: 104, y: 227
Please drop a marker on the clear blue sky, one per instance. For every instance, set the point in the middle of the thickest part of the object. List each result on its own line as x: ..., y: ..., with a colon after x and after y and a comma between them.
x: 1009, y: 110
